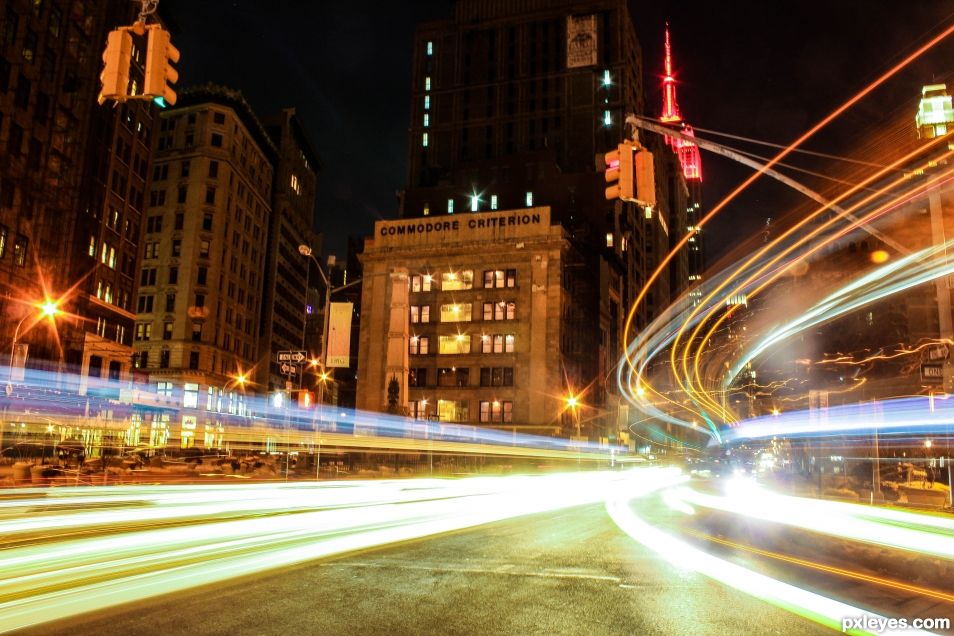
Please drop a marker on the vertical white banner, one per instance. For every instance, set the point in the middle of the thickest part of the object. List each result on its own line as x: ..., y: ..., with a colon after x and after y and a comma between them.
x: 580, y: 41
x: 339, y: 335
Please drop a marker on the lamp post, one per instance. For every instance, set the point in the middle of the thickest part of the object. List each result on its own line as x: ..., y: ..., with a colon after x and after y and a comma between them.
x: 48, y: 309
x: 304, y: 250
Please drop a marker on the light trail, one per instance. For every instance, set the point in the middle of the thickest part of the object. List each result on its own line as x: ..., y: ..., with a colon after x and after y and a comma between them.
x: 738, y: 190
x: 115, y: 553
x: 821, y: 567
x: 810, y: 605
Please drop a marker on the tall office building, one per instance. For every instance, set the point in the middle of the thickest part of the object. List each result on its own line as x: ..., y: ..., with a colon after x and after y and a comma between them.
x: 200, y: 287
x: 513, y: 106
x: 73, y: 178
x: 284, y: 302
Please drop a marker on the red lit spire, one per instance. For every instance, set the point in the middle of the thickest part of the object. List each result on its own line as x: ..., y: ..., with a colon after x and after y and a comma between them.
x: 687, y: 151
x: 670, y: 110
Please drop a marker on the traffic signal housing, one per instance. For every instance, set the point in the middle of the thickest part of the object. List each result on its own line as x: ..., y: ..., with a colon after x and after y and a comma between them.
x: 645, y: 178
x: 116, y: 61
x: 160, y: 56
x: 306, y: 399
x: 619, y: 173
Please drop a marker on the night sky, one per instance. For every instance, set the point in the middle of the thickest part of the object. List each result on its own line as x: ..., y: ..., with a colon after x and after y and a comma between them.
x: 765, y: 70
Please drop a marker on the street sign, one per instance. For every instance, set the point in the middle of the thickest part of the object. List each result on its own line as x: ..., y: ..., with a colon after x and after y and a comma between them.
x: 289, y: 369
x: 932, y: 372
x: 291, y: 356
x: 938, y: 352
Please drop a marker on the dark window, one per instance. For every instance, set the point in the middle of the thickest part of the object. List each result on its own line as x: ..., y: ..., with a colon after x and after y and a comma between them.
x: 180, y: 220
x: 202, y: 275
x: 154, y: 223
x: 21, y: 97
x: 145, y: 304
x: 213, y: 169
x: 207, y: 222
x: 197, y: 333
x: 176, y: 248
x: 15, y: 140
x: 142, y: 360
x: 147, y: 277
x: 210, y: 195
x: 170, y: 302
x: 218, y: 118
x: 193, y: 359
x: 164, y: 359
x: 216, y: 140
x: 173, y: 275
x: 167, y: 331
x: 200, y: 300
x: 20, y: 250
x: 183, y: 190
x: 184, y: 169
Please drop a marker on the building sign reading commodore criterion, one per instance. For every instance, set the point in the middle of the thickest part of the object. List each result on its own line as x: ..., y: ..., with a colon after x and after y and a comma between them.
x: 473, y: 225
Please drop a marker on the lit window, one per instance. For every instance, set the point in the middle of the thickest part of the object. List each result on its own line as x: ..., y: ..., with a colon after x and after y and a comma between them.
x: 430, y: 48
x: 609, y: 239
x: 427, y: 120
x: 450, y: 206
x: 607, y: 118
x: 420, y: 313
x: 529, y: 199
x: 607, y: 79
x: 648, y: 212
x: 419, y: 345
x: 493, y: 201
x: 455, y: 312
x: 190, y: 395
x: 427, y: 102
x: 457, y: 344
x: 427, y: 83
x: 474, y: 203
x: 427, y: 209
x: 453, y: 281
x: 295, y: 185
x: 424, y: 140
x: 421, y: 283
x: 164, y: 388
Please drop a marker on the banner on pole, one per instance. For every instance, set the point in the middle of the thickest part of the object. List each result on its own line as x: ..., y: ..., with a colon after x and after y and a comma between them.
x: 339, y: 335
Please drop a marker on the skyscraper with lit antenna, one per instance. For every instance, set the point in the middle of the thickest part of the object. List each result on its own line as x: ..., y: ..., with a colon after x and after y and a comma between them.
x: 689, y: 159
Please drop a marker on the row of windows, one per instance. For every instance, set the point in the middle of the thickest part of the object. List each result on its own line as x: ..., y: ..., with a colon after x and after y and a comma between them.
x: 463, y: 312
x: 464, y: 279
x: 161, y: 173
x: 460, y: 376
x: 461, y: 344
x: 459, y: 410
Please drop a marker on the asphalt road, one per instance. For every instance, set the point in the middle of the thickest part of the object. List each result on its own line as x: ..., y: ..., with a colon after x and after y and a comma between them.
x: 566, y: 572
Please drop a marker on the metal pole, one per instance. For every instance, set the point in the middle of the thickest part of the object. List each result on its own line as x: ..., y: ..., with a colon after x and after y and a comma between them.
x: 13, y: 347
x: 876, y: 469
x: 324, y: 328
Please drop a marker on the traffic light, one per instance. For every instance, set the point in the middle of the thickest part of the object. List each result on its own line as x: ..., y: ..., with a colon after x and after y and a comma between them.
x: 619, y: 173
x: 160, y: 56
x: 306, y: 399
x: 645, y: 178
x: 116, y: 60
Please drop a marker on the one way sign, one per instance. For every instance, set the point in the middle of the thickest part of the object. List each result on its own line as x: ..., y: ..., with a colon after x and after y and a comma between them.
x: 289, y: 369
x: 291, y: 356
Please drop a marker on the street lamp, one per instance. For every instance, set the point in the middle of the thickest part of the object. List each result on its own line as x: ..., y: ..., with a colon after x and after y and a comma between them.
x: 322, y: 360
x: 48, y: 309
x: 573, y: 403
